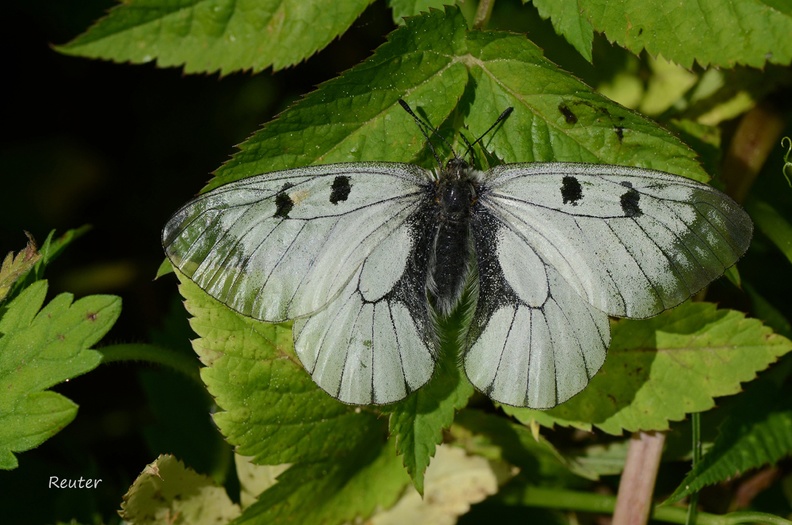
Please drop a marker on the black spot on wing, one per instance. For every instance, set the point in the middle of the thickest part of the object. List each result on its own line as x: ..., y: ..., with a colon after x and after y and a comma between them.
x: 340, y: 189
x: 283, y: 203
x: 630, y: 201
x: 571, y: 191
x: 569, y: 116
x: 619, y: 130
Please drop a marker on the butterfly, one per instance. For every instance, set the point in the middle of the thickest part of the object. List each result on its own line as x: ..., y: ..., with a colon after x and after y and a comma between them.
x: 365, y: 257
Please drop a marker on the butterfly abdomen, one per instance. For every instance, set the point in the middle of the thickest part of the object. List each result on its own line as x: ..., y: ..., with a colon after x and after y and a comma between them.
x: 452, y: 250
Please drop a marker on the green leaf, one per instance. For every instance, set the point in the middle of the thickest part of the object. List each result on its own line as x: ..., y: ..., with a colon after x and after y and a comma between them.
x: 356, y: 116
x: 26, y: 273
x: 52, y: 247
x: 499, y: 439
x: 405, y: 8
x: 660, y: 369
x: 709, y: 32
x: 272, y: 411
x: 417, y: 423
x: 15, y: 266
x: 568, y: 23
x: 705, y: 140
x: 603, y: 459
x: 39, y: 349
x: 205, y: 36
x: 772, y: 316
x: 454, y: 482
x: 757, y: 432
x: 165, y: 268
x: 255, y: 479
x: 167, y: 491
x: 332, y: 491
x: 456, y: 77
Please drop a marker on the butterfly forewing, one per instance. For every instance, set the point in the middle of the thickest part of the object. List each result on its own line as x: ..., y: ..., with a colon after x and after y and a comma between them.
x: 283, y: 245
x: 633, y: 242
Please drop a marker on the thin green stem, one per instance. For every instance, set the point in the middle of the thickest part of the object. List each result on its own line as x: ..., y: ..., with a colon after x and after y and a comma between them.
x: 754, y: 518
x: 149, y: 353
x: 695, y: 423
x: 601, y: 504
x: 787, y: 142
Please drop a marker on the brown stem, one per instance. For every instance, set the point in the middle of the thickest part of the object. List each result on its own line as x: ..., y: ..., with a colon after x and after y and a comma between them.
x: 483, y: 13
x: 634, y: 500
x: 755, y: 137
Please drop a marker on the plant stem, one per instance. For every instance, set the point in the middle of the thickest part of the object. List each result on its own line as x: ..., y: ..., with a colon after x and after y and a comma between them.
x: 695, y: 423
x: 483, y: 13
x: 149, y: 353
x: 551, y: 498
x: 638, y: 479
x: 755, y: 137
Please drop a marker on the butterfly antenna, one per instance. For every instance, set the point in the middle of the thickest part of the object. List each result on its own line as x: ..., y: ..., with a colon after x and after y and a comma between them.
x: 503, y: 116
x: 427, y: 130
x: 469, y: 148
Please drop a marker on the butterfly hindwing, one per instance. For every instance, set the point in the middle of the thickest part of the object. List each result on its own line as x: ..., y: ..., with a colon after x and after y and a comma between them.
x: 535, y: 342
x: 375, y: 343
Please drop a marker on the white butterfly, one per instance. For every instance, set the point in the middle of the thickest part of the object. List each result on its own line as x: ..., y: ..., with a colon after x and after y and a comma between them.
x: 360, y: 255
